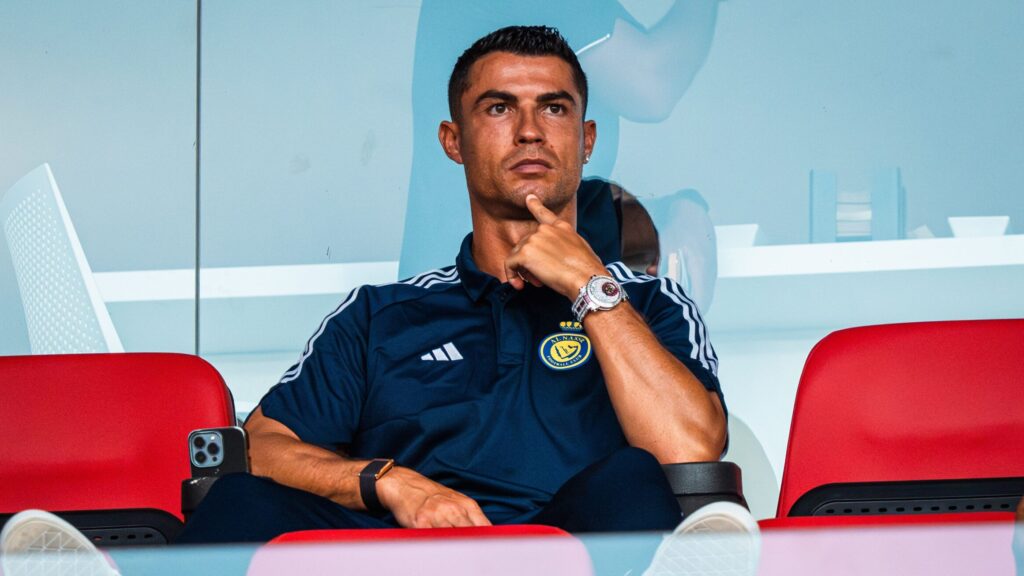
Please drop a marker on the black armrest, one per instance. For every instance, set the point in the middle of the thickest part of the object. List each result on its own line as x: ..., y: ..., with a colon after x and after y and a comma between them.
x: 193, y: 490
x: 697, y: 484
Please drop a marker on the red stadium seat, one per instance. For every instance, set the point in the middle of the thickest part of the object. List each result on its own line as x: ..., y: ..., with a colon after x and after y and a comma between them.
x: 102, y: 439
x: 899, y: 420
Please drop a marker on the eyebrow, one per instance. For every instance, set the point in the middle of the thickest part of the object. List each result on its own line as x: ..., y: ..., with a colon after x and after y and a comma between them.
x: 496, y: 95
x: 554, y: 96
x: 512, y: 98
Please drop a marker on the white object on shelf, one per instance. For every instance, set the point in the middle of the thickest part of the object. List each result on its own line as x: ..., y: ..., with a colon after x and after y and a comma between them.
x: 922, y: 231
x: 978, y: 226
x: 736, y: 236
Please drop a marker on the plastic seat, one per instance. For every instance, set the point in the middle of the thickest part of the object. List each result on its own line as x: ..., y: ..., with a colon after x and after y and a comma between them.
x: 102, y: 439
x: 64, y: 312
x: 901, y: 420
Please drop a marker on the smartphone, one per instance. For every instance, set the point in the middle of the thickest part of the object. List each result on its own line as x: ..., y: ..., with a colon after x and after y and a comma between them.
x: 214, y: 452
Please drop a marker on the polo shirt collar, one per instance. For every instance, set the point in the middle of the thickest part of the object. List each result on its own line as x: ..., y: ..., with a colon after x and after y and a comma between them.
x: 476, y: 282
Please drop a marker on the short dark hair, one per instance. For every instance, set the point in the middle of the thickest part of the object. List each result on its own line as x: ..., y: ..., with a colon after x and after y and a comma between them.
x: 521, y: 40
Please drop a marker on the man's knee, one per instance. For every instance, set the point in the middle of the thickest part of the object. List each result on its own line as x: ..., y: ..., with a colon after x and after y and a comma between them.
x: 627, y: 469
x: 240, y: 483
x: 625, y: 491
x: 633, y: 462
x: 241, y: 490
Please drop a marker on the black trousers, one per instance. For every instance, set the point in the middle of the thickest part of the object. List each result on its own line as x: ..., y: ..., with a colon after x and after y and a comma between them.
x: 627, y: 491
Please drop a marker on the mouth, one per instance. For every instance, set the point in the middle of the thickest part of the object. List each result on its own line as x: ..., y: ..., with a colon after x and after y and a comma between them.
x: 531, y: 166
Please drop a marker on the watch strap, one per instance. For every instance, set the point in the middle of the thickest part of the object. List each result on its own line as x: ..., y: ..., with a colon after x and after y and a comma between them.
x: 368, y: 477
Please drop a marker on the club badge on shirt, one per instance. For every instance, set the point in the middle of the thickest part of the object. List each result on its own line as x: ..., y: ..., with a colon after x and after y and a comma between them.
x: 567, y: 349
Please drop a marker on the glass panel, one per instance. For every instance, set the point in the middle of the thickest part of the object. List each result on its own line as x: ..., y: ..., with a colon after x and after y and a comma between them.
x: 305, y: 161
x: 948, y: 548
x: 97, y: 172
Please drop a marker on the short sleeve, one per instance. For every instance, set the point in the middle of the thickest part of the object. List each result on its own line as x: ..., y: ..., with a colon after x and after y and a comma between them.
x: 320, y: 398
x: 675, y: 320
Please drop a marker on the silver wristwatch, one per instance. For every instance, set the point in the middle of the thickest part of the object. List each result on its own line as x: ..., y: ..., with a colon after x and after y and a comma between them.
x: 599, y: 293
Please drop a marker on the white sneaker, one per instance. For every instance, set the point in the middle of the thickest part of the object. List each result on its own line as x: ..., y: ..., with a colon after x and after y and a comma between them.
x: 721, y: 538
x: 35, y: 542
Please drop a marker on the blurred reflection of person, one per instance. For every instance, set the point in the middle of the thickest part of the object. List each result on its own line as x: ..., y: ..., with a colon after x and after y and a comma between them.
x: 636, y: 73
x: 671, y: 235
x: 689, y: 251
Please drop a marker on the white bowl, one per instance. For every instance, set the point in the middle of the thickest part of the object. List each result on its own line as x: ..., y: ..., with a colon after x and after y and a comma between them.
x: 976, y: 226
x: 736, y: 236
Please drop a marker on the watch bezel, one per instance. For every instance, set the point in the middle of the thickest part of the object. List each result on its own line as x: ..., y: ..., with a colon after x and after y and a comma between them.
x: 595, y: 292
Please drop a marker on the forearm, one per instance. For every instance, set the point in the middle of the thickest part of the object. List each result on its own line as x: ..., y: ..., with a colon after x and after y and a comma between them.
x: 416, y: 501
x: 277, y: 453
x: 661, y: 406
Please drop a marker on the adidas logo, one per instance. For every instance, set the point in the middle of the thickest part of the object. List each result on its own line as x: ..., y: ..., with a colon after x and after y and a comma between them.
x: 443, y: 354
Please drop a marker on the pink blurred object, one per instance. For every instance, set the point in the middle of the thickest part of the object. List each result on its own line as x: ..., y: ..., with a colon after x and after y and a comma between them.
x: 512, y: 556
x: 970, y: 550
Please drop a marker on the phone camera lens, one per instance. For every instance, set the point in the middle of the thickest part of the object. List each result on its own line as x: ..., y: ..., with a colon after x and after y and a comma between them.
x: 213, y: 448
x: 198, y: 442
x: 201, y: 457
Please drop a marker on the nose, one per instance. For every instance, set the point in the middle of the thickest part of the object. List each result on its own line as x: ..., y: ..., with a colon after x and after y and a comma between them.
x: 528, y: 131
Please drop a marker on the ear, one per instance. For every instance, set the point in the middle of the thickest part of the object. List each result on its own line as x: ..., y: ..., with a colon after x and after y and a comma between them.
x: 451, y: 140
x: 589, y: 137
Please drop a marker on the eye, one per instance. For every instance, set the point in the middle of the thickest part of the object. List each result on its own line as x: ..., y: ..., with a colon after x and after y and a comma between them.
x: 556, y: 108
x: 497, y: 109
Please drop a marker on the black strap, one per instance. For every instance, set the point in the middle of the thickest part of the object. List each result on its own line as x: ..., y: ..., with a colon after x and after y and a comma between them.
x: 368, y: 486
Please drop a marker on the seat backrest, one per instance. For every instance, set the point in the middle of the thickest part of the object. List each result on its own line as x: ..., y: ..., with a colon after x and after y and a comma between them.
x: 63, y: 309
x: 924, y: 401
x: 103, y: 431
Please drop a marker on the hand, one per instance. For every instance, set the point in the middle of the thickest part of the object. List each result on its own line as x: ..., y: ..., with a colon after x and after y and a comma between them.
x: 554, y: 256
x: 419, y: 502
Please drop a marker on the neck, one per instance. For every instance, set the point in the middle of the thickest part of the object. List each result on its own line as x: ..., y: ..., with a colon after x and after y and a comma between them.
x: 494, y: 238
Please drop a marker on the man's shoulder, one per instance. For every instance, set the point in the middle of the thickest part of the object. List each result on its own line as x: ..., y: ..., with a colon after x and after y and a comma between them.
x: 419, y: 286
x: 632, y: 280
x: 646, y: 291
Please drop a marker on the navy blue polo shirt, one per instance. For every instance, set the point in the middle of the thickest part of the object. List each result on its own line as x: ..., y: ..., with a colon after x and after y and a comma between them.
x: 443, y: 372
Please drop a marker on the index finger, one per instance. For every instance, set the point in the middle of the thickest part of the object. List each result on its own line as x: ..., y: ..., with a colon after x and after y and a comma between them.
x: 539, y: 210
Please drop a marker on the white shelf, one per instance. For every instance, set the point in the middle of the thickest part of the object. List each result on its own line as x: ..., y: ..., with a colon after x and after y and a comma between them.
x: 810, y: 286
x: 242, y: 281
x: 878, y: 256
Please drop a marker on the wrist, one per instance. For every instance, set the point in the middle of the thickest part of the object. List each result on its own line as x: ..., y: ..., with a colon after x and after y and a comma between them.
x: 580, y: 280
x: 371, y: 474
x: 389, y: 487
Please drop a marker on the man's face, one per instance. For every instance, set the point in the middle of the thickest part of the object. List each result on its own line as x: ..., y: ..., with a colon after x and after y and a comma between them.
x: 521, y: 132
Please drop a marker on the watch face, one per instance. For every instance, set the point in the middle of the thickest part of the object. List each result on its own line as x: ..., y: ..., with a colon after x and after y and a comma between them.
x: 604, y: 291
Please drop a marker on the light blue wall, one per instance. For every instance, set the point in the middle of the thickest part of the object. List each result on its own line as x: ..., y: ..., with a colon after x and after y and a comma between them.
x: 104, y: 91
x: 306, y: 116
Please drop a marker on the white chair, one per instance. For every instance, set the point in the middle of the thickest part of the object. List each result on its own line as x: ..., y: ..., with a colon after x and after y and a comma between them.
x: 64, y: 312
x: 760, y: 487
